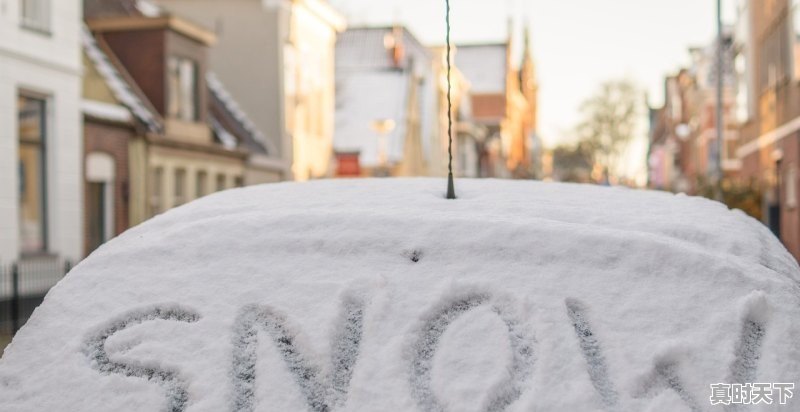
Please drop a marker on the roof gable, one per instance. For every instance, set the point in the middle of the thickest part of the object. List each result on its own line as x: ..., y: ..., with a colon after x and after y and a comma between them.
x: 118, y: 85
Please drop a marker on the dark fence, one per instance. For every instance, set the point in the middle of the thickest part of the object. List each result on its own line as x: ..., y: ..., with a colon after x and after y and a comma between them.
x: 23, y: 286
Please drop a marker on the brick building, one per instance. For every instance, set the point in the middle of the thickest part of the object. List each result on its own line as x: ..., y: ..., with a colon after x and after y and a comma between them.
x: 770, y: 138
x: 683, y: 131
x: 114, y: 115
x: 504, y: 99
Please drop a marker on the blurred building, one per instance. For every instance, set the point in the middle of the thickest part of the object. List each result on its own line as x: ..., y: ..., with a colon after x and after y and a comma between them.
x: 504, y: 101
x: 114, y: 117
x: 468, y: 136
x: 386, y: 120
x: 683, y: 130
x: 162, y: 129
x: 770, y: 134
x: 40, y: 130
x: 277, y: 58
x: 674, y: 152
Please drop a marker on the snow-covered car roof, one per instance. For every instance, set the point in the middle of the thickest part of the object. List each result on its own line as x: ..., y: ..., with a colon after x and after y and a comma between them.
x: 381, y: 295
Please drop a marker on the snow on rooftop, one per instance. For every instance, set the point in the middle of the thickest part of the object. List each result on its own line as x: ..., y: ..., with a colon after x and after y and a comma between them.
x: 365, y: 48
x: 226, y: 138
x: 380, y: 295
x: 148, y: 8
x: 369, y: 89
x: 106, y: 111
x: 359, y: 106
x: 218, y: 89
x: 484, y: 66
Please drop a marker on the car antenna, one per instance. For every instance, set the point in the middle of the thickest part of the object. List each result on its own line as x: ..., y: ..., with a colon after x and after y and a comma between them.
x: 451, y: 191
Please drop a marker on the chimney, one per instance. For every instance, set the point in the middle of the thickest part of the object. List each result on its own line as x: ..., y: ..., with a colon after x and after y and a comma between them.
x: 393, y: 42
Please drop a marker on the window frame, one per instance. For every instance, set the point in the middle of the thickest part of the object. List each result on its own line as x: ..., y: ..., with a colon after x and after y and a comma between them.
x: 43, y: 181
x: 794, y: 39
x: 157, y: 174
x: 100, y: 173
x: 180, y: 195
x: 176, y: 101
x: 201, y: 184
x: 790, y: 189
x: 42, y: 23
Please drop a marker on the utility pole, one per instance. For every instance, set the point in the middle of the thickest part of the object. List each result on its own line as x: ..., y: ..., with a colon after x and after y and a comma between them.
x: 716, y: 150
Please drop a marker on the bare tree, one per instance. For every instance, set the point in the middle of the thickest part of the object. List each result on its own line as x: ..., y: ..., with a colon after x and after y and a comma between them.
x: 610, y: 120
x: 573, y: 163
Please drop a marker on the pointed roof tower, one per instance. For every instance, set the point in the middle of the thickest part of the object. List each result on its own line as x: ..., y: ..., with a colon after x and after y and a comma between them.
x: 527, y: 79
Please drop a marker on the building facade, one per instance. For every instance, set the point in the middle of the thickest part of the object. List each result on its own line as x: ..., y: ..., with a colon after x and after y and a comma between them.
x: 770, y: 146
x: 162, y: 129
x: 504, y: 101
x: 166, y: 57
x: 287, y: 85
x: 683, y: 132
x: 468, y: 136
x: 114, y: 116
x: 41, y: 150
x: 385, y: 114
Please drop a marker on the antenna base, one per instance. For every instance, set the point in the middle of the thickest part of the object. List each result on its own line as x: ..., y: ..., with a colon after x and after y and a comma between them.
x: 451, y: 191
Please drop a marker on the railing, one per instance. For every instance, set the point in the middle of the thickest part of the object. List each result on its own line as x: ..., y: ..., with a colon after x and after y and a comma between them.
x: 23, y: 286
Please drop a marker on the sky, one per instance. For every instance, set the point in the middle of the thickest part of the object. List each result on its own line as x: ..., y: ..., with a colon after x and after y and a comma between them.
x: 577, y: 44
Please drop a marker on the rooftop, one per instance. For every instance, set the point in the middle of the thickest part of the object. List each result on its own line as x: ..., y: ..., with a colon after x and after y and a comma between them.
x: 484, y: 65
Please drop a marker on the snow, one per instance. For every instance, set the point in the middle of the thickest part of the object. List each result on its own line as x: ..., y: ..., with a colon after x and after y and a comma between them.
x: 484, y: 65
x: 523, y: 297
x: 215, y: 86
x: 228, y: 140
x: 363, y: 65
x: 106, y: 111
x: 148, y: 8
x: 359, y: 107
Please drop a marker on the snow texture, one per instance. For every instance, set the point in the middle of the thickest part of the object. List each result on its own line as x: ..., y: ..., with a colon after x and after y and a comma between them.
x: 381, y: 295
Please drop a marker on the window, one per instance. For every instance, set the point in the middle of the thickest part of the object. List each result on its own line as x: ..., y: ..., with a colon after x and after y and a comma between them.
x: 182, y: 75
x: 795, y: 37
x: 200, y: 184
x: 100, y: 172
x: 742, y: 89
x: 180, y: 187
x: 238, y: 181
x: 791, y: 186
x: 220, y: 182
x: 97, y: 209
x: 157, y: 193
x: 675, y: 102
x: 36, y: 15
x: 32, y: 175
x: 776, y: 56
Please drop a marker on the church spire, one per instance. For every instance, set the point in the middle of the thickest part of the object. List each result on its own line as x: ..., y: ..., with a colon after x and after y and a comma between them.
x: 526, y: 52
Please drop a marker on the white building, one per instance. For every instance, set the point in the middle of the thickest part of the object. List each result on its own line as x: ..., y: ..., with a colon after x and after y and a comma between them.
x: 386, y: 101
x: 40, y: 130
